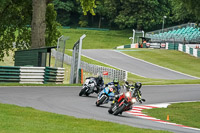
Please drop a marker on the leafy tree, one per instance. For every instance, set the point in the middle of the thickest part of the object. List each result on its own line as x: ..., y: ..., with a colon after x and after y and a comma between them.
x: 15, y: 15
x: 185, y: 11
x: 52, y: 32
x: 65, y: 9
x: 141, y: 14
x: 88, y: 5
x: 15, y: 30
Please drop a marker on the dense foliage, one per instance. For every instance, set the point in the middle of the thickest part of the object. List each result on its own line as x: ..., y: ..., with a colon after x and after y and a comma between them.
x: 122, y: 14
x: 16, y: 17
x: 15, y: 30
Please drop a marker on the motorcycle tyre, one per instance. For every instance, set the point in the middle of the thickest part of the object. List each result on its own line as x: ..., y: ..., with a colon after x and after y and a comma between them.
x: 101, y: 101
x: 110, y: 109
x: 82, y: 91
x: 119, y: 110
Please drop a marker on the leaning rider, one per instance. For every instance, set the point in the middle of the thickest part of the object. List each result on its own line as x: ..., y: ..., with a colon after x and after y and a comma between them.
x: 100, y: 83
x: 116, y: 84
x: 133, y: 89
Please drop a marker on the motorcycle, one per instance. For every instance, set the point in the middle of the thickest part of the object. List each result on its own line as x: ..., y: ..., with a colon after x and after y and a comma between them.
x: 88, y: 87
x: 106, y: 95
x: 126, y: 100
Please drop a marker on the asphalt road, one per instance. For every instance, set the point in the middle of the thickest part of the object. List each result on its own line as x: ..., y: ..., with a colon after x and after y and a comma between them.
x: 65, y: 100
x: 133, y: 65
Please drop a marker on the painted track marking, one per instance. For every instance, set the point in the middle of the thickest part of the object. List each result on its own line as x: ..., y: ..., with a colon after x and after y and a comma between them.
x: 137, y: 111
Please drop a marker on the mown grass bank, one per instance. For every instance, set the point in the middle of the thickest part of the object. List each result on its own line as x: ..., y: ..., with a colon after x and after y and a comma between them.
x: 15, y: 119
x: 181, y: 113
x: 97, y: 39
x: 172, y: 59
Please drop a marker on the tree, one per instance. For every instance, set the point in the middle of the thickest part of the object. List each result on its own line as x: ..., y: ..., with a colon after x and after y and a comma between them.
x: 65, y: 9
x: 15, y: 15
x: 185, y: 11
x: 51, y: 33
x: 15, y: 30
x: 141, y: 14
x: 38, y: 24
x: 88, y: 5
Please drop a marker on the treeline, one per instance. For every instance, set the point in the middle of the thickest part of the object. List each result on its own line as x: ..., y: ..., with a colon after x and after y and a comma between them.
x: 121, y: 14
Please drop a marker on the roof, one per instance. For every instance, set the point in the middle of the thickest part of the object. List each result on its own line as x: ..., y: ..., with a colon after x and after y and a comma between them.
x: 48, y: 49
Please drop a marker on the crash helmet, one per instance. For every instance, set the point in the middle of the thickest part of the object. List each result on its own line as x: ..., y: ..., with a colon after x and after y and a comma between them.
x: 100, y: 78
x: 138, y: 85
x: 116, y: 82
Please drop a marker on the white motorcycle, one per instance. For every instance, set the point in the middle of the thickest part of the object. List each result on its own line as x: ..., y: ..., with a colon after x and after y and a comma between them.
x: 88, y: 87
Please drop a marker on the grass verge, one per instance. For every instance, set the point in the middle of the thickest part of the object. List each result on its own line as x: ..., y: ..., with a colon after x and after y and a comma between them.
x: 181, y: 113
x: 149, y: 81
x: 15, y: 119
x: 172, y: 59
x: 97, y: 39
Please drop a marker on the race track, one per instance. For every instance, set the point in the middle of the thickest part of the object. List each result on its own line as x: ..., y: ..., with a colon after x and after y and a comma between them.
x: 133, y: 65
x: 65, y: 100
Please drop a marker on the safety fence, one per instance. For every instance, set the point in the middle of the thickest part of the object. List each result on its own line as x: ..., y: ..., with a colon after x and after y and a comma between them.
x: 107, y: 73
x: 31, y: 75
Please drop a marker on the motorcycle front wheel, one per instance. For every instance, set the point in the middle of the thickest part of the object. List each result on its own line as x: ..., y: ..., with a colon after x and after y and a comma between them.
x: 82, y: 91
x: 119, y: 110
x: 103, y: 98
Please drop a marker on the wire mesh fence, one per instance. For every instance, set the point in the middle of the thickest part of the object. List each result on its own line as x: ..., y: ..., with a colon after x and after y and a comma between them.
x: 108, y: 73
x: 59, y: 56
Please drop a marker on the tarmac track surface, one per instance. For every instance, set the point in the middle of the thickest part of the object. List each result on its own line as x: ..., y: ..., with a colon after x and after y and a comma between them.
x: 133, y: 65
x: 65, y: 100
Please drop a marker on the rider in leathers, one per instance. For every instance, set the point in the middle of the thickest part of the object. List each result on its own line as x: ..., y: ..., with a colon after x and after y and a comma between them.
x: 136, y: 94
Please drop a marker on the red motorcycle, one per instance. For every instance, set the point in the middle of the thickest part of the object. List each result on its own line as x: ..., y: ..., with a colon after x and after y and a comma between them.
x: 125, y: 101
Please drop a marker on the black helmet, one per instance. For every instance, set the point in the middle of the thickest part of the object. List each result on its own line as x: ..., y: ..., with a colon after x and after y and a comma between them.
x: 100, y: 78
x: 116, y: 82
x: 138, y: 85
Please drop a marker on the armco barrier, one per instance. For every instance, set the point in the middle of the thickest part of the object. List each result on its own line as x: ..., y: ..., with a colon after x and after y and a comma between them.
x: 54, y: 75
x: 34, y: 75
x: 9, y: 74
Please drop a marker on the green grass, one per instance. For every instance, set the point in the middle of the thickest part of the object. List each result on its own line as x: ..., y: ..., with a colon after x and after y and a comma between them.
x: 148, y: 81
x: 15, y: 119
x: 97, y: 39
x: 181, y: 113
x: 172, y: 59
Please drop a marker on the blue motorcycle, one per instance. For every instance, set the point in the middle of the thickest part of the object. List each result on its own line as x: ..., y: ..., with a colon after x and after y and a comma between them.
x: 106, y: 95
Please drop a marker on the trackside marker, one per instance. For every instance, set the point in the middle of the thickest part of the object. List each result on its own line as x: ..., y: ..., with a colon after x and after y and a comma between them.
x: 137, y: 111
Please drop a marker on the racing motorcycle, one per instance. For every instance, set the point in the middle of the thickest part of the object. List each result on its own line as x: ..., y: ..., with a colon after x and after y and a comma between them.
x: 88, y: 87
x: 126, y: 99
x: 106, y: 95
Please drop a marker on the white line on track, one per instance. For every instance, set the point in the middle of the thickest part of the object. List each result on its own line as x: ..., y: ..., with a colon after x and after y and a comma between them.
x: 157, y: 65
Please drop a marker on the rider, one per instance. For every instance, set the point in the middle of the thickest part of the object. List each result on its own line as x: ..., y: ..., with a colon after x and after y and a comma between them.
x: 135, y: 93
x: 100, y: 83
x: 116, y: 84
